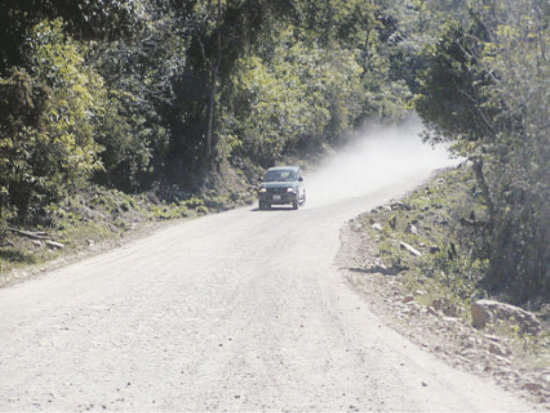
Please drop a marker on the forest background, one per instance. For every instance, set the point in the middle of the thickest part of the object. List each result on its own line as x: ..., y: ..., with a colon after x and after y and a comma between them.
x: 191, y: 100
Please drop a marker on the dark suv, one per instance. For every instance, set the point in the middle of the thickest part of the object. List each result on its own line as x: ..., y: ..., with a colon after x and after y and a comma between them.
x: 282, y: 185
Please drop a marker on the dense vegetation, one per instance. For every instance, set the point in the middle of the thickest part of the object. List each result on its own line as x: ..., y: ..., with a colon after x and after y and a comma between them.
x: 175, y: 96
x: 486, y: 89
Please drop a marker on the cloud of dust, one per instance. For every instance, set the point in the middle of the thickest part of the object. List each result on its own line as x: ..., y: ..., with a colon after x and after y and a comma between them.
x: 378, y: 157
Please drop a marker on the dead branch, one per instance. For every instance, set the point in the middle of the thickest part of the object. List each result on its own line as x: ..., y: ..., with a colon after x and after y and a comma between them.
x: 33, y: 235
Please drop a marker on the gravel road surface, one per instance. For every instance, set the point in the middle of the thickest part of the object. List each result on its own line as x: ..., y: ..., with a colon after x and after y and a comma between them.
x: 240, y: 311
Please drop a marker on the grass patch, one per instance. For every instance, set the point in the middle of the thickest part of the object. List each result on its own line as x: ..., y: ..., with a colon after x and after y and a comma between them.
x: 16, y: 256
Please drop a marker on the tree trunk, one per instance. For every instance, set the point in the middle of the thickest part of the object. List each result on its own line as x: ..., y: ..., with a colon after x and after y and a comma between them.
x: 211, y: 139
x: 485, y: 191
x: 210, y: 120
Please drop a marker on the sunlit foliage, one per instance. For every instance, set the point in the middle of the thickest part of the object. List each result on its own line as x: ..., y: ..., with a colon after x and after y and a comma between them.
x: 56, y: 151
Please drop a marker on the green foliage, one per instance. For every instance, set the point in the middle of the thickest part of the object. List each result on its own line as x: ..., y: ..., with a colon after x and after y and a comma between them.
x: 173, y: 90
x: 486, y: 90
x: 304, y: 93
x: 263, y: 80
x: 47, y: 143
x: 285, y: 102
x: 22, y: 101
x: 125, y: 144
x: 86, y: 19
x: 76, y: 103
x: 133, y: 132
x: 451, y: 99
x: 517, y: 57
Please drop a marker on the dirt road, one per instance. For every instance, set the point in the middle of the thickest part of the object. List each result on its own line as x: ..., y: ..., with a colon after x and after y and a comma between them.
x: 241, y: 311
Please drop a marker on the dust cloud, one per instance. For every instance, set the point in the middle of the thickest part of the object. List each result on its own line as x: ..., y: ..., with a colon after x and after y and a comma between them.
x: 378, y: 157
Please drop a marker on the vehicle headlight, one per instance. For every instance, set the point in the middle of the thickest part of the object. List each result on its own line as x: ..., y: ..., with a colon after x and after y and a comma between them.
x: 293, y: 190
x: 262, y: 190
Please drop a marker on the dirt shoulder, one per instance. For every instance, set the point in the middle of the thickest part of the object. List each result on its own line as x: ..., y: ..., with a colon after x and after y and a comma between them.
x: 436, y: 320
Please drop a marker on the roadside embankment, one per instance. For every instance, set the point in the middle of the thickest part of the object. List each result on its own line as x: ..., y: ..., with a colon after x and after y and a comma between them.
x: 416, y: 262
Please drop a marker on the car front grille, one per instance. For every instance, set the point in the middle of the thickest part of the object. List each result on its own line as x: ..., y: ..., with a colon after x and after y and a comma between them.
x: 276, y: 190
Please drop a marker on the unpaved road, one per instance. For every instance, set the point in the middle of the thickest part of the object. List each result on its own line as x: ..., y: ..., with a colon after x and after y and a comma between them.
x: 241, y: 311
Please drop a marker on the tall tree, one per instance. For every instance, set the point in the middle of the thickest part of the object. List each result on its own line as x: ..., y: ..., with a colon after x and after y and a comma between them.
x: 47, y: 144
x: 485, y: 90
x: 218, y: 32
x: 85, y: 19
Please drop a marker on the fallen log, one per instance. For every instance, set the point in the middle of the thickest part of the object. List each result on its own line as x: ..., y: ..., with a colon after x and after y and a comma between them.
x: 55, y: 245
x: 42, y: 236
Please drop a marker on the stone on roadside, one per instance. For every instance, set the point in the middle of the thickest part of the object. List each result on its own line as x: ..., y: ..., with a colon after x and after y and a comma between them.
x: 533, y: 387
x: 480, y: 315
x: 400, y: 206
x: 496, y: 348
x: 492, y: 337
x: 408, y: 298
x: 433, y: 311
x: 377, y: 226
x: 410, y: 249
x: 486, y: 311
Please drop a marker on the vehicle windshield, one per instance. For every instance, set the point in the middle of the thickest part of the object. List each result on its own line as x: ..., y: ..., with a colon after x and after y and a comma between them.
x: 280, y: 175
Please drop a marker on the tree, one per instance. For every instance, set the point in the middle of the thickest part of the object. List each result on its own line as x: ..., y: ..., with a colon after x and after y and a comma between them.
x: 485, y: 89
x: 85, y: 19
x: 298, y: 96
x: 217, y: 33
x: 138, y: 73
x: 516, y: 59
x: 47, y: 144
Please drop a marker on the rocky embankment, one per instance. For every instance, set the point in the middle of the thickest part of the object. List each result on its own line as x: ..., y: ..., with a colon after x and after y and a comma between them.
x: 487, y: 337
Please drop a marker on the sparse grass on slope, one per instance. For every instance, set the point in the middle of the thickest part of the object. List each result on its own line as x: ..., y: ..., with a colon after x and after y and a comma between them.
x: 94, y: 220
x: 443, y: 222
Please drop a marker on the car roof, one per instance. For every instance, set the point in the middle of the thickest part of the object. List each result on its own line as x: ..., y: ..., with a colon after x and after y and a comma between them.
x: 284, y: 168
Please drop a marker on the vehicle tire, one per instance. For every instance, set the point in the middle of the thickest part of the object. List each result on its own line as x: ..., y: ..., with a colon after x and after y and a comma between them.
x: 295, y: 204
